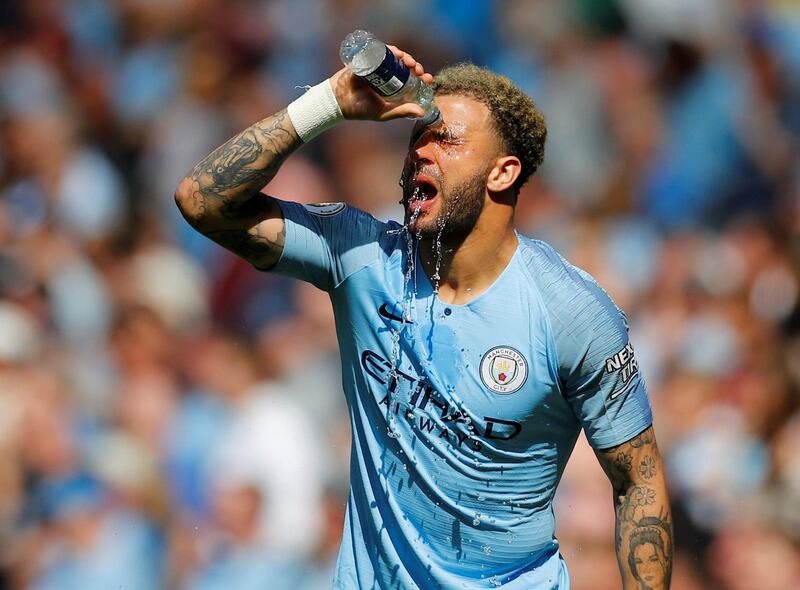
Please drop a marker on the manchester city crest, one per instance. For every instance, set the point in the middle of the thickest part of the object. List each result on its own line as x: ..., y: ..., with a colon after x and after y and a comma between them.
x: 503, y: 370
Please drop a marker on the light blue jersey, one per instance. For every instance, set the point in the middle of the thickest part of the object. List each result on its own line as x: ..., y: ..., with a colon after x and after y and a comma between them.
x: 463, y: 416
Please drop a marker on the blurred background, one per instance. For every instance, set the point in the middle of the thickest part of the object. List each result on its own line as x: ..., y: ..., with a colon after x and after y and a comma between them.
x: 172, y: 419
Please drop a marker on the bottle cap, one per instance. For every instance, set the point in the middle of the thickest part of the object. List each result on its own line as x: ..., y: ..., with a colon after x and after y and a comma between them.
x: 433, y: 118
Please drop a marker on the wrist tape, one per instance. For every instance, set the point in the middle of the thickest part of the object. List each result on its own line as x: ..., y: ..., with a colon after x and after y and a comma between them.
x: 315, y: 111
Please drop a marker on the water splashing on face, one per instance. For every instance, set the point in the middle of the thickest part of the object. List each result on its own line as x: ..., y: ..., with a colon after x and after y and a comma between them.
x: 408, y: 303
x: 441, y: 224
x: 436, y: 277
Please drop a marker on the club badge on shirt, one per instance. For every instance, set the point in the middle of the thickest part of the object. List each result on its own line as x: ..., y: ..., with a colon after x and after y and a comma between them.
x: 503, y: 370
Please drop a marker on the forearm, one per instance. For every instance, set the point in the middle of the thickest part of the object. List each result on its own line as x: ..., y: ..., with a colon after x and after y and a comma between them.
x: 642, y: 515
x: 222, y: 191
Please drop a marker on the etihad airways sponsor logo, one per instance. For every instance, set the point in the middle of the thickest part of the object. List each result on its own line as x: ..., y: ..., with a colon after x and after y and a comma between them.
x: 428, y: 411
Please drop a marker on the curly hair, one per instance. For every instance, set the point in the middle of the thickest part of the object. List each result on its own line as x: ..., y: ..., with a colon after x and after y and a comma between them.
x: 517, y: 121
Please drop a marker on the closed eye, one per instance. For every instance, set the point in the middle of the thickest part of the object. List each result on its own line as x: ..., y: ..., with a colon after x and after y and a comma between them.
x: 446, y: 135
x: 441, y: 135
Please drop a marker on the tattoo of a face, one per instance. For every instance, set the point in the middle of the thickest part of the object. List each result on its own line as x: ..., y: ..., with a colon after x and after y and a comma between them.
x: 650, y: 553
x: 643, y: 537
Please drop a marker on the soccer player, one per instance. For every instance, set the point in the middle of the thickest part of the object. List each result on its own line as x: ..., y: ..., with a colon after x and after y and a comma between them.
x: 472, y: 355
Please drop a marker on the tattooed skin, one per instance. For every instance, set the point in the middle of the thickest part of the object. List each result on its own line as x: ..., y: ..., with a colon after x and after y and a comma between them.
x: 644, y: 538
x: 221, y: 196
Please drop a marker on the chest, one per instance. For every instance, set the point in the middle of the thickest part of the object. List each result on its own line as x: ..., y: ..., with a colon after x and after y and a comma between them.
x: 483, y: 371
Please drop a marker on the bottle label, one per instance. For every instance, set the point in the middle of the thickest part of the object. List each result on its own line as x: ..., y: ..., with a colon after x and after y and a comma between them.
x: 389, y: 77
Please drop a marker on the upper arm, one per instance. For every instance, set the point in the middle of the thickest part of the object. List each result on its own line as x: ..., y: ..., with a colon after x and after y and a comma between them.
x: 597, y: 369
x: 253, y: 228
x: 259, y: 237
x: 636, y: 462
x: 325, y: 243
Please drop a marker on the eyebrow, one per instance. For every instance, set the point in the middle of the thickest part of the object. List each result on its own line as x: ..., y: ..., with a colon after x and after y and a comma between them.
x: 444, y: 132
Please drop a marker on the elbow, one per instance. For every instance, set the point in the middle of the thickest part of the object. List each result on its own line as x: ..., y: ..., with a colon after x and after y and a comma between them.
x: 189, y: 203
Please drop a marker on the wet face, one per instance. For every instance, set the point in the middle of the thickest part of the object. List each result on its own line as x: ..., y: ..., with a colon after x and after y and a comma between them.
x: 650, y: 564
x: 445, y: 172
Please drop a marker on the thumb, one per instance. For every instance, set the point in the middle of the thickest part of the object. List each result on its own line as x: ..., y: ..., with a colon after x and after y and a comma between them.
x: 406, y: 109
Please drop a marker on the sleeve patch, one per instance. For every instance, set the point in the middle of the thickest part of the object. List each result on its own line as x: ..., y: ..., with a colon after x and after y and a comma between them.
x: 325, y: 209
x: 625, y: 365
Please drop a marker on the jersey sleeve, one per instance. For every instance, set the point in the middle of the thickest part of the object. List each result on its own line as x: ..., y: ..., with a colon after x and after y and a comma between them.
x: 328, y: 242
x: 597, y: 368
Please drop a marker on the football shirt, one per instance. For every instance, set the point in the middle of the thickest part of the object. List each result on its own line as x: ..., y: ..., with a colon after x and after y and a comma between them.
x: 463, y: 416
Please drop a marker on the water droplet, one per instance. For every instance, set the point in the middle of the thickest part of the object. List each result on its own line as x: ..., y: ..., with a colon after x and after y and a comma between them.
x: 487, y: 550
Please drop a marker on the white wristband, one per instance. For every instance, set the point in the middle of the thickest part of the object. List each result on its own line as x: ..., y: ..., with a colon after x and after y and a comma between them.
x: 315, y: 111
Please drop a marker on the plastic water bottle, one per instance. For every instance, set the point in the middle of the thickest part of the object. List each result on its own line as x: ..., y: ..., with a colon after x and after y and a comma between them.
x: 370, y: 59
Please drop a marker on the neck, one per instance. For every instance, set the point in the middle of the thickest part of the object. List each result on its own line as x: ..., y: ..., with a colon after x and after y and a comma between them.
x: 469, y: 265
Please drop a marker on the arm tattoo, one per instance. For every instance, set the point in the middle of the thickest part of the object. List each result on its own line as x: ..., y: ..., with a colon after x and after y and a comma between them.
x: 250, y: 245
x: 260, y: 245
x: 644, y: 439
x: 233, y: 173
x: 223, y: 199
x: 647, y: 467
x: 643, y: 540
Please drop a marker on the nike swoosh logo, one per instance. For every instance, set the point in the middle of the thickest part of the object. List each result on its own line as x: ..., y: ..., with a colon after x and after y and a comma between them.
x: 384, y: 311
x: 621, y: 390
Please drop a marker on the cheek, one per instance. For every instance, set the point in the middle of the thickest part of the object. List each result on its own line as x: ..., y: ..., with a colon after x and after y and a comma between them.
x: 450, y: 152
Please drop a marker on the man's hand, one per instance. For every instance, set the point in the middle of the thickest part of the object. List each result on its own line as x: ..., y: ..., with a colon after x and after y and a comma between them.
x: 358, y: 100
x: 644, y: 523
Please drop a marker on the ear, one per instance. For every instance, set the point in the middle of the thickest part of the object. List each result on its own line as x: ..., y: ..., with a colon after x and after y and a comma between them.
x: 505, y: 172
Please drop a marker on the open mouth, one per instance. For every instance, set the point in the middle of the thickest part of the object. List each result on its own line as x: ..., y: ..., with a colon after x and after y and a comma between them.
x: 423, y: 190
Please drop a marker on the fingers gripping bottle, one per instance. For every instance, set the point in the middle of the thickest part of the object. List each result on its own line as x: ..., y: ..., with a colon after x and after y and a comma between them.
x: 370, y: 59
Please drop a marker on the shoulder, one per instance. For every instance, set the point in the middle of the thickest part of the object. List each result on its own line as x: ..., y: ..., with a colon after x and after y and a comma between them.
x: 339, y: 222
x: 577, y: 306
x: 330, y: 212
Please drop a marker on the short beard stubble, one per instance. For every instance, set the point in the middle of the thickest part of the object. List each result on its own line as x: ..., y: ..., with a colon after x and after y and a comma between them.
x: 462, y: 206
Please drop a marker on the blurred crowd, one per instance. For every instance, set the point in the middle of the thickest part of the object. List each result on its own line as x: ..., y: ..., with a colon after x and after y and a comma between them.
x: 171, y: 418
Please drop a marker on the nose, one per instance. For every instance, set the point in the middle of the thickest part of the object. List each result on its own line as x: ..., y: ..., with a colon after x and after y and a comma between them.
x: 421, y: 147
